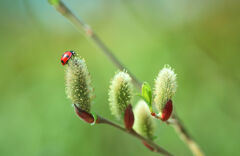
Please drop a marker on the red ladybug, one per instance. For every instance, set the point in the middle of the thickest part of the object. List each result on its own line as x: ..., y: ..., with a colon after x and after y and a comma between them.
x: 66, y: 56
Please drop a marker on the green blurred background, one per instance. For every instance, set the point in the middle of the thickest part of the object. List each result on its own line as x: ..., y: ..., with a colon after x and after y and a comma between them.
x: 200, y: 39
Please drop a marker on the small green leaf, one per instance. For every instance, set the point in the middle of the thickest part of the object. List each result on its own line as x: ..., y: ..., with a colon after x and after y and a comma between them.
x: 54, y: 2
x: 147, y: 94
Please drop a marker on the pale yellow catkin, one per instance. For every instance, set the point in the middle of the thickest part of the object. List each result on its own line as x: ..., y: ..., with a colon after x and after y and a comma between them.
x: 120, y: 93
x: 165, y: 87
x: 78, y: 84
x: 144, y: 122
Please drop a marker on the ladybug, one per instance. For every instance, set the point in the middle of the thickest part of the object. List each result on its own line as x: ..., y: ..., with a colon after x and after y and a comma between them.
x: 66, y: 56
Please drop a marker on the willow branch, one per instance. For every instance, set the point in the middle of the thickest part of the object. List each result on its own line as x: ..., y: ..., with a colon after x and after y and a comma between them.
x: 83, y: 27
x: 96, y: 119
x: 185, y: 136
x: 155, y: 147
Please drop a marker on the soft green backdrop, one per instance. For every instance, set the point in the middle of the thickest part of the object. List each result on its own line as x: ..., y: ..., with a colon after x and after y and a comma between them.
x: 200, y: 39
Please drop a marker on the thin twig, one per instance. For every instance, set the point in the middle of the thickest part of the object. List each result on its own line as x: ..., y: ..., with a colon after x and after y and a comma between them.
x: 89, y: 118
x: 155, y: 147
x: 82, y: 26
x: 185, y: 136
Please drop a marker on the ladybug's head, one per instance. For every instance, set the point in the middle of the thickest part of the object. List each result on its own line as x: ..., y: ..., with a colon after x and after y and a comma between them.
x: 73, y: 53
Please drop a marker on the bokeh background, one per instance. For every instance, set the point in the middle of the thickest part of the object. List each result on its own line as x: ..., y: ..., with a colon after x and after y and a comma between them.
x: 199, y: 39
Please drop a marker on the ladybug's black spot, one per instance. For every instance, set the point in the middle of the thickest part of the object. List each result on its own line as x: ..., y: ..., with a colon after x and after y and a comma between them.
x: 62, y: 61
x: 67, y: 56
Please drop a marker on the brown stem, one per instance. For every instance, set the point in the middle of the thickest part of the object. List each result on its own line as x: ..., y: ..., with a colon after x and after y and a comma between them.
x: 82, y: 26
x: 185, y: 136
x: 89, y: 118
x: 155, y: 147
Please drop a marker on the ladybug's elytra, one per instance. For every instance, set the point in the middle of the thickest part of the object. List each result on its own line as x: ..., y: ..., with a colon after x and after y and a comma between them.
x: 66, y: 56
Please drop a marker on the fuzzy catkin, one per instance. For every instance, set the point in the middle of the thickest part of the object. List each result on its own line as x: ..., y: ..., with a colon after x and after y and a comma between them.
x: 78, y: 84
x: 120, y: 94
x: 144, y: 122
x: 165, y: 87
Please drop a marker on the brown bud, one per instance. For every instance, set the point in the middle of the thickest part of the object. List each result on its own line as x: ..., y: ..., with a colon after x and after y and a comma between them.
x: 167, y: 111
x: 148, y: 146
x: 85, y: 116
x: 128, y: 118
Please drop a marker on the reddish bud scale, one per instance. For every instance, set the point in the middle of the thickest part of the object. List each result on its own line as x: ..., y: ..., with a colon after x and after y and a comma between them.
x: 128, y: 118
x: 87, y: 117
x: 153, y: 114
x: 167, y: 111
x: 148, y: 146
